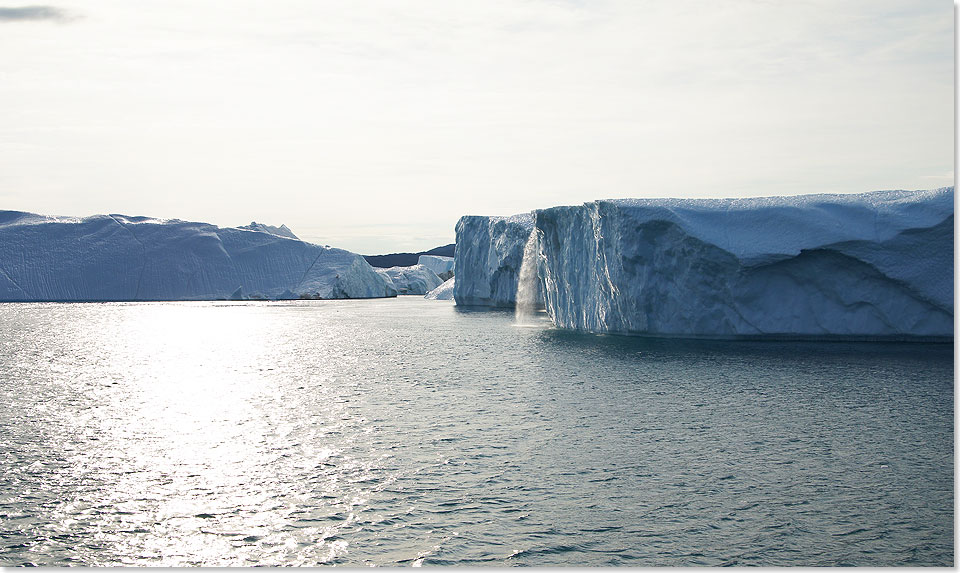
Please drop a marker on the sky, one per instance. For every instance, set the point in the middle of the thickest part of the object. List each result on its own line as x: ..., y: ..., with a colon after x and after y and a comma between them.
x: 374, y: 125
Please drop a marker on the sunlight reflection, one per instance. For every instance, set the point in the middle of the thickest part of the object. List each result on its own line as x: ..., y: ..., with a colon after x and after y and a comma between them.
x: 196, y: 442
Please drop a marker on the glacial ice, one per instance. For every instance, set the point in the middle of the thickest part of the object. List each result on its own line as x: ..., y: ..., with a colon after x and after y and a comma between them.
x: 116, y: 257
x: 281, y: 231
x: 416, y: 279
x: 442, y: 266
x: 870, y: 265
x: 488, y: 258
x: 442, y: 292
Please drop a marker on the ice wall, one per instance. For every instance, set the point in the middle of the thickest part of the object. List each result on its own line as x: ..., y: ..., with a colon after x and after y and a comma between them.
x: 488, y: 259
x: 115, y: 257
x: 866, y: 265
x: 870, y: 265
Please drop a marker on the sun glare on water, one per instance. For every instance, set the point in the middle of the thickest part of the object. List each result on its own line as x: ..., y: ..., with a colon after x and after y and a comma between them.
x: 187, y: 423
x: 405, y: 432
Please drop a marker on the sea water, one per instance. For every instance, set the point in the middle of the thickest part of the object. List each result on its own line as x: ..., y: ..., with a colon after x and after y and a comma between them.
x: 407, y: 432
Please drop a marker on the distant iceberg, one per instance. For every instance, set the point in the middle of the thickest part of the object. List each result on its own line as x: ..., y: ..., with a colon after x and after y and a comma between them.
x: 416, y: 279
x: 442, y: 292
x: 116, y: 257
x: 868, y: 265
x: 442, y: 266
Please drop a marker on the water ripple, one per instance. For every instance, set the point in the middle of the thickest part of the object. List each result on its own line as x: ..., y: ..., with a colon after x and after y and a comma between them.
x: 405, y: 432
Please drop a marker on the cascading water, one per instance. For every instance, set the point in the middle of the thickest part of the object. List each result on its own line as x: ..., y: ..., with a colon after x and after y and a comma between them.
x: 528, y: 285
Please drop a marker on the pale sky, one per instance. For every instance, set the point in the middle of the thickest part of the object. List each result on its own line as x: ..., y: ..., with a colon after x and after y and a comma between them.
x: 374, y: 125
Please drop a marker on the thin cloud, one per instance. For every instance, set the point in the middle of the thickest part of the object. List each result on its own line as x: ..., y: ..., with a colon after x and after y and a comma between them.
x: 945, y: 176
x: 32, y: 14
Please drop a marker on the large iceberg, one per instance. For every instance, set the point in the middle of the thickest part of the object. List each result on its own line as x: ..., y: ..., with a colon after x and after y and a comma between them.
x: 816, y: 266
x: 488, y: 257
x: 416, y: 279
x: 116, y: 257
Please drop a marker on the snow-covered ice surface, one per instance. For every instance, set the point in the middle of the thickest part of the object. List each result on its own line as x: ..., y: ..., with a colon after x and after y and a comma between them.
x: 416, y: 279
x: 488, y: 258
x: 281, y: 231
x: 868, y: 265
x: 442, y: 292
x: 116, y: 257
x: 442, y: 266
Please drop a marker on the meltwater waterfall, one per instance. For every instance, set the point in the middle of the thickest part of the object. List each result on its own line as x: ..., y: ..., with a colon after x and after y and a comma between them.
x: 528, y: 284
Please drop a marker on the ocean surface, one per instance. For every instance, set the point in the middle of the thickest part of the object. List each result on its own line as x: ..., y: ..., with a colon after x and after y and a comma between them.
x: 410, y: 432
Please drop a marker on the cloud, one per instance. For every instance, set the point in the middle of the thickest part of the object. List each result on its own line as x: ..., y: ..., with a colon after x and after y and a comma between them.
x: 33, y: 13
x: 491, y: 108
x: 948, y: 176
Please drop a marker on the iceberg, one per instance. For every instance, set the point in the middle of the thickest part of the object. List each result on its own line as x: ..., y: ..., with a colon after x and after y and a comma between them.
x: 117, y: 257
x: 442, y: 292
x: 869, y: 265
x: 442, y: 266
x: 416, y: 279
x: 487, y: 260
x: 406, y: 259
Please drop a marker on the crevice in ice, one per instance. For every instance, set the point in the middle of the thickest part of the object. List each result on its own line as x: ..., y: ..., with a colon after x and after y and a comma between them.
x: 310, y: 268
x: 745, y: 320
x: 14, y: 283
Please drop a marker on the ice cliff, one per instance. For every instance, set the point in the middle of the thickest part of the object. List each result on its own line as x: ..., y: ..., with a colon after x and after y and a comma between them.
x: 416, y: 279
x: 866, y: 265
x: 488, y: 257
x: 116, y: 257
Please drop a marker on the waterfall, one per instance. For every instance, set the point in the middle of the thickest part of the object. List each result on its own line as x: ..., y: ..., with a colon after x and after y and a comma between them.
x: 528, y: 286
